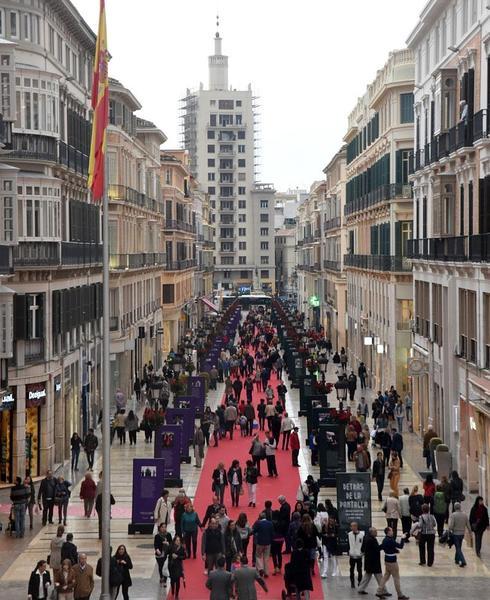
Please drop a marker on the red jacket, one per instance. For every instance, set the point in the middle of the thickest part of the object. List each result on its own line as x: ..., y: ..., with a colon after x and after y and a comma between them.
x: 88, y: 489
x: 294, y: 441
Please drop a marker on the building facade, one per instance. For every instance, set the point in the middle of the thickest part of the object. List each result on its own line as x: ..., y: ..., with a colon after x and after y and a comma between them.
x: 219, y: 130
x: 451, y: 186
x: 378, y: 216
x: 53, y: 372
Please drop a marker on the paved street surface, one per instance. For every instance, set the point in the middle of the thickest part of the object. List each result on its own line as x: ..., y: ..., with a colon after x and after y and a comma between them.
x: 17, y: 557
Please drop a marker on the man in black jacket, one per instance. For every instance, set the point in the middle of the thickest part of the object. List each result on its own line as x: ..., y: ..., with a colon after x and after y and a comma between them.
x: 397, y: 444
x: 379, y: 474
x: 69, y: 550
x: 372, y: 561
x: 45, y: 497
x: 285, y: 520
x: 212, y: 510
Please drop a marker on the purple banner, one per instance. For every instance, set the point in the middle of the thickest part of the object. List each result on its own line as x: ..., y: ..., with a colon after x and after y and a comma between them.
x: 196, y: 388
x: 148, y: 483
x: 185, y: 417
x: 168, y: 443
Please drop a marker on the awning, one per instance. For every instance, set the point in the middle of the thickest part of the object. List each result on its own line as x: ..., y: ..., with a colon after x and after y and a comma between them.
x: 209, y: 304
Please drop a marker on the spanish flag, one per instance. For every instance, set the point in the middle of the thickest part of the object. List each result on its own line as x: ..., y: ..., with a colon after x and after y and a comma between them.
x: 100, y: 106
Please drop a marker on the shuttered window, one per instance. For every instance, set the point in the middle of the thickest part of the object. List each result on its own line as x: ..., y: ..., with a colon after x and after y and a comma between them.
x: 406, y: 108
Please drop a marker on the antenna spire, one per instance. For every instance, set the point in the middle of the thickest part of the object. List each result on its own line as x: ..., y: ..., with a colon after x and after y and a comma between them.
x: 217, y: 26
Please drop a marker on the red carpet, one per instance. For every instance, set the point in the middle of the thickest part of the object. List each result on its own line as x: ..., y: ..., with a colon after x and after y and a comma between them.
x: 268, y: 488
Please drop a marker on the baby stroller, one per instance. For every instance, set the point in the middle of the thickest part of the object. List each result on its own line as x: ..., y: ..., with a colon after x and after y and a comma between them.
x: 290, y: 592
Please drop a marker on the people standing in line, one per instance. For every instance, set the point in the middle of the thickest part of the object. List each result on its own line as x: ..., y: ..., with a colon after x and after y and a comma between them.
x: 300, y: 571
x: 39, y: 582
x: 295, y: 447
x: 75, y: 445
x: 244, y: 579
x: 84, y: 578
x: 394, y: 474
x: 123, y: 561
x: 251, y: 478
x: 479, y: 522
x: 455, y: 489
x: 427, y: 526
x: 189, y: 525
x: 391, y: 548
x: 458, y: 523
x: 235, y: 481
x: 55, y: 551
x: 161, y: 544
x: 392, y: 511
x: 90, y: 444
x: 263, y: 531
x: 198, y: 445
x: 88, y: 490
x: 220, y: 481
x: 19, y: 496
x: 270, y: 456
x: 233, y: 543
x: 220, y: 582
x: 329, y: 532
x: 355, y: 538
x: 163, y: 509
x: 212, y: 545
x: 31, y: 502
x: 65, y: 581
x: 132, y: 427
x: 372, y: 561
x: 62, y: 495
x: 45, y: 497
x: 69, y: 550
x: 379, y: 474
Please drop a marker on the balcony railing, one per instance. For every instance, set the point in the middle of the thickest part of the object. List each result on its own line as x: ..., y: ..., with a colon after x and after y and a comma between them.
x: 80, y: 253
x: 180, y: 265
x: 472, y: 248
x: 113, y: 323
x: 72, y: 158
x: 332, y: 265
x: 33, y: 350
x: 139, y: 260
x: 331, y: 223
x: 381, y: 194
x: 33, y: 147
x: 37, y: 254
x: 122, y: 193
x: 378, y: 262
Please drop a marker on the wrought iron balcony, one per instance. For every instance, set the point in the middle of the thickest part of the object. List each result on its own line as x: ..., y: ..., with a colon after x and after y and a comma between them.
x: 378, y: 262
x: 381, y: 194
x: 122, y: 193
x: 333, y: 223
x: 37, y: 254
x: 472, y: 248
x: 139, y: 260
x: 332, y: 265
x: 80, y: 253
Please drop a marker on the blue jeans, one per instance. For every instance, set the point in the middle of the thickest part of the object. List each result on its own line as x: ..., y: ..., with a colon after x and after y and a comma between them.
x: 74, y: 458
x: 458, y: 542
x: 20, y: 519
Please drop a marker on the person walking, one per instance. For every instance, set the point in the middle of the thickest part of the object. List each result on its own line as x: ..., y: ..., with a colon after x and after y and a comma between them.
x: 257, y: 451
x: 391, y: 548
x: 212, y: 545
x: 237, y: 389
x: 233, y: 543
x: 251, y: 478
x: 137, y: 389
x: 88, y: 491
x: 372, y: 561
x: 379, y: 474
x: 362, y: 460
x: 329, y: 532
x: 98, y: 503
x: 299, y: 569
x: 55, y: 551
x: 231, y: 415
x: 295, y: 447
x: 176, y: 559
x: 429, y: 434
x: 220, y: 582
x: 235, y: 480
x: 45, y: 495
x: 399, y: 415
x: 244, y: 530
x: 392, y: 510
x: 69, y: 550
x: 394, y: 473
x: 31, y: 502
x: 397, y: 444
x: 62, y: 495
x: 64, y: 581
x: 124, y: 563
x: 479, y: 522
x: 261, y: 414
x: 39, y: 582
x: 189, y: 525
x: 287, y: 425
x: 355, y: 538
x: 220, y: 481
x: 455, y: 489
x: 75, y: 445
x: 179, y: 505
x: 163, y: 509
x: 263, y: 531
x: 404, y: 501
x: 361, y: 371
x: 161, y: 544
x: 90, y: 444
x: 84, y: 578
x: 458, y: 523
x: 120, y: 425
x: 427, y: 526
x: 132, y: 427
x: 244, y: 579
x: 270, y: 456
x: 270, y: 411
x: 19, y: 496
x: 198, y: 445
x: 249, y: 413
x: 440, y: 509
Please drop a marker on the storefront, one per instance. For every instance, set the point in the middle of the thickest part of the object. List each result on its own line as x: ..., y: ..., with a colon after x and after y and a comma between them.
x: 36, y: 395
x: 7, y: 406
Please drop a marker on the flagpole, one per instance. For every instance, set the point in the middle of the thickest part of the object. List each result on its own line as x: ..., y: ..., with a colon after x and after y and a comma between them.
x: 106, y: 403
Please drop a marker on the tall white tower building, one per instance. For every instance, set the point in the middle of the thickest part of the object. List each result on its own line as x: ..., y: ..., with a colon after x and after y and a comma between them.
x: 219, y: 133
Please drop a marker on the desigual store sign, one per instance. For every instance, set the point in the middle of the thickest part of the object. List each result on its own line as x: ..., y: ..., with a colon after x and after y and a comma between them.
x: 7, y: 406
x: 36, y: 394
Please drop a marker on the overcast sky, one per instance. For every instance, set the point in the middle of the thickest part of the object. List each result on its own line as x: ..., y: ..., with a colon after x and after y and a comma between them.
x: 308, y: 61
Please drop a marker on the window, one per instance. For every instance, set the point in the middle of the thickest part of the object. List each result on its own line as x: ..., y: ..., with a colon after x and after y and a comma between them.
x: 60, y: 49
x: 210, y: 148
x: 453, y: 24
x: 212, y: 120
x: 35, y: 29
x: 264, y: 274
x: 264, y: 231
x: 443, y: 36
x: 242, y: 260
x: 238, y: 103
x: 264, y: 204
x: 212, y: 103
x: 7, y: 213
x: 210, y: 134
x: 242, y: 245
x: 241, y: 162
x: 242, y: 176
x: 26, y: 26
x: 437, y: 314
x: 168, y: 177
x: 168, y: 293
x: 467, y: 325
x: 406, y: 108
x: 242, y: 204
x: 211, y: 162
x: 242, y: 218
x: 474, y: 11
x: 464, y: 17
x: 14, y: 24
x: 225, y: 104
x: 241, y: 148
x: 212, y: 190
x: 226, y: 274
x: 210, y: 176
x: 241, y: 191
x: 2, y: 22
x: 264, y: 218
x: 264, y: 245
x: 241, y: 135
x: 238, y: 119
x: 264, y: 260
x: 227, y: 260
x: 242, y: 232
x: 427, y: 55
x: 437, y: 43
